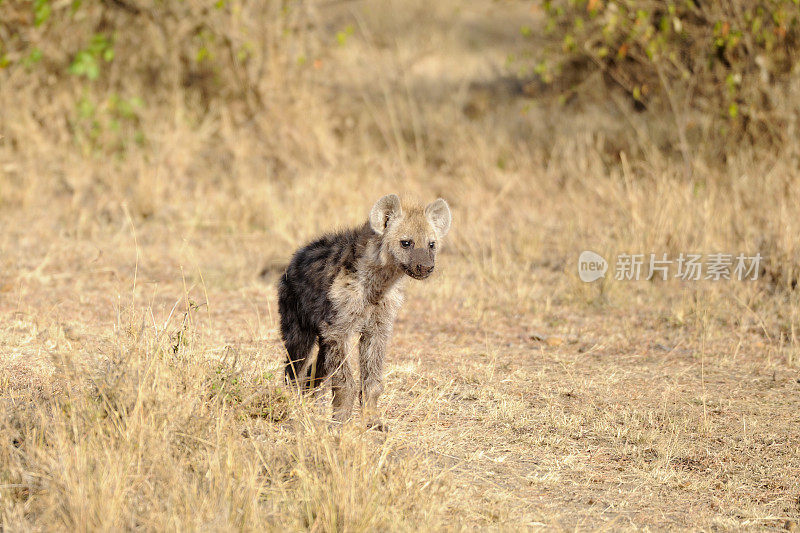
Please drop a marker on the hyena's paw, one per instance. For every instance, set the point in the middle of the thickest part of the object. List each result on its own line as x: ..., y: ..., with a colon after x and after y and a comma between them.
x: 378, y: 425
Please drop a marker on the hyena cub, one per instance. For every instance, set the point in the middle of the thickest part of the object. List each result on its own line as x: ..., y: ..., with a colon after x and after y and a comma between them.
x: 349, y: 286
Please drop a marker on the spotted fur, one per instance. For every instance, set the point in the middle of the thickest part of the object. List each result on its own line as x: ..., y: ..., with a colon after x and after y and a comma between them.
x: 346, y: 288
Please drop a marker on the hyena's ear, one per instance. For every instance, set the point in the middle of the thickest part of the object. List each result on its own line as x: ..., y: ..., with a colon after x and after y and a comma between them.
x: 438, y: 212
x: 384, y: 209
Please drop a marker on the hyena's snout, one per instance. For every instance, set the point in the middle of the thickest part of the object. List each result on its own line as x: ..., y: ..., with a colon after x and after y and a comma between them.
x: 421, y: 264
x: 423, y: 271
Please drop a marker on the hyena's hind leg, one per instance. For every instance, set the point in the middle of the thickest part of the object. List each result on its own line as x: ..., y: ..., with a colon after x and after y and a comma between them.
x: 318, y: 371
x: 298, y: 335
x: 298, y: 342
x: 298, y: 347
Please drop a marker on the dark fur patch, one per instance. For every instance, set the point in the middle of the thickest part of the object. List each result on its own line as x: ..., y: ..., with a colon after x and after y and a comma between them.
x: 303, y: 291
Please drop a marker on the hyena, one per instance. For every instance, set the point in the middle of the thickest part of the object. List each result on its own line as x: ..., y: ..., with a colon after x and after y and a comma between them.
x: 348, y: 286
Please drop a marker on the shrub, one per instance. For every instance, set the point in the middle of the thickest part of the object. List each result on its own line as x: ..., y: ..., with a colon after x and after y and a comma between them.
x: 112, y: 70
x: 733, y: 61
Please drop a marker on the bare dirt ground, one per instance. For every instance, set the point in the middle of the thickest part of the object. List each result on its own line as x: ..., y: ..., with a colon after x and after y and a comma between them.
x: 140, y: 361
x: 587, y: 418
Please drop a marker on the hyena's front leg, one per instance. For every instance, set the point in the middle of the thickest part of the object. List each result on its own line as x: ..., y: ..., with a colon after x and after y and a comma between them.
x: 371, y: 354
x: 343, y: 384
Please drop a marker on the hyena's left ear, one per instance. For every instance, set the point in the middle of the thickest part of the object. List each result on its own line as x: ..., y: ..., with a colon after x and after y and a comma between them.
x: 438, y: 212
x: 386, y: 208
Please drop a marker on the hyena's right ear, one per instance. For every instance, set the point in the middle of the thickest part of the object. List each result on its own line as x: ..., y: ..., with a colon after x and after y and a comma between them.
x: 384, y: 210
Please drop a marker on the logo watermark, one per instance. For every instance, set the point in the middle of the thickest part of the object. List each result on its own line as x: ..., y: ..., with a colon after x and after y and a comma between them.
x: 686, y: 267
x: 591, y: 266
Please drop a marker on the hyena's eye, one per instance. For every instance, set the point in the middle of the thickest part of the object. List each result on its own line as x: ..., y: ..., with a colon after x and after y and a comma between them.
x: 432, y: 245
x: 406, y: 244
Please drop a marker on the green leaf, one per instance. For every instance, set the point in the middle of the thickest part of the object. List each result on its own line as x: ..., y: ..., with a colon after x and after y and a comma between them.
x: 34, y: 57
x: 41, y: 12
x: 569, y: 43
x: 341, y: 36
x: 202, y: 54
x: 85, y: 108
x: 87, y: 61
x: 92, y: 71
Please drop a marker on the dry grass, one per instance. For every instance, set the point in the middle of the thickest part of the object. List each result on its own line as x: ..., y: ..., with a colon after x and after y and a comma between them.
x: 139, y: 353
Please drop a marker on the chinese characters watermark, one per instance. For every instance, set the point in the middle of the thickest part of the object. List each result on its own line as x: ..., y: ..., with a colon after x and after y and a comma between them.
x: 686, y: 267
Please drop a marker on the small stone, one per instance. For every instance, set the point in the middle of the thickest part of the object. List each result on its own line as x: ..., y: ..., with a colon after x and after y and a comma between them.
x: 554, y: 341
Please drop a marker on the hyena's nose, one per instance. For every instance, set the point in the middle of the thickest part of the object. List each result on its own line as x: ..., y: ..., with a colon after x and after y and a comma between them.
x: 424, y: 270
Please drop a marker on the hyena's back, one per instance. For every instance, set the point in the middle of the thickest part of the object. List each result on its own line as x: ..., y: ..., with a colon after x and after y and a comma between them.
x: 304, y: 289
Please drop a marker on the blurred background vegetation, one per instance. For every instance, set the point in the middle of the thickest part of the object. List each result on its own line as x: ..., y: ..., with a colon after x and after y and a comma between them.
x: 214, y: 111
x: 98, y: 72
x: 735, y: 62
